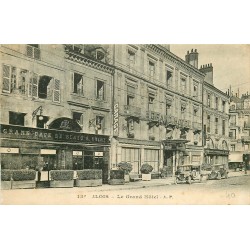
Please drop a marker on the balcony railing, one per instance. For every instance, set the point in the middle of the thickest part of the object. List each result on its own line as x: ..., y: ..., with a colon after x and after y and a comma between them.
x: 184, y: 124
x: 153, y: 116
x: 245, y: 139
x: 132, y: 111
x: 171, y: 120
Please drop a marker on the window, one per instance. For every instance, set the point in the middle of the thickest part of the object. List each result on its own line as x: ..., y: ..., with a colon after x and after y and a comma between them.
x: 16, y: 118
x: 151, y: 68
x: 23, y: 80
x: 216, y: 102
x: 33, y: 51
x: 169, y: 78
x: 130, y: 128
x: 100, y: 90
x: 208, y: 100
x: 131, y: 155
x: 233, y: 120
x: 43, y: 86
x: 78, y: 84
x: 99, y: 124
x: 208, y: 123
x: 151, y: 102
x: 130, y: 95
x: 41, y: 121
x: 223, y: 106
x: 183, y: 85
x: 131, y: 58
x: 216, y: 125
x: 152, y: 158
x: 9, y: 78
x: 232, y: 134
x: 78, y: 117
x: 223, y: 127
x: 168, y: 109
x: 233, y: 148
x: 195, y: 94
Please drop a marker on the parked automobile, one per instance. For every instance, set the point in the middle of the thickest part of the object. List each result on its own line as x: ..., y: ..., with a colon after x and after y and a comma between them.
x: 188, y: 174
x: 218, y: 171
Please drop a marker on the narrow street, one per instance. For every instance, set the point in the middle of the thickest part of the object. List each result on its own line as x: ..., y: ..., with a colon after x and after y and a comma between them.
x: 234, y: 190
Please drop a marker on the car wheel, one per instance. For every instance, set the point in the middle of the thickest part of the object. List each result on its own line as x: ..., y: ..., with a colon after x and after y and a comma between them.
x: 176, y: 181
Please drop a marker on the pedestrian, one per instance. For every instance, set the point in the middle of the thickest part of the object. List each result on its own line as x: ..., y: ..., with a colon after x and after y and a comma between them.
x: 39, y: 173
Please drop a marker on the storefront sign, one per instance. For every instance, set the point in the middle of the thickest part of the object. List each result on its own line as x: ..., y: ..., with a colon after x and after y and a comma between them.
x: 48, y: 152
x: 116, y: 120
x: 216, y: 152
x: 64, y: 123
x: 77, y: 153
x: 9, y: 150
x: 98, y: 153
x: 18, y: 132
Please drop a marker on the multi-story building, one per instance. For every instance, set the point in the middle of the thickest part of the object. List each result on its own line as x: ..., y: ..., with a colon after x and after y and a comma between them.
x: 239, y: 127
x: 93, y: 106
x: 157, y: 107
x: 215, y: 120
x: 55, y: 106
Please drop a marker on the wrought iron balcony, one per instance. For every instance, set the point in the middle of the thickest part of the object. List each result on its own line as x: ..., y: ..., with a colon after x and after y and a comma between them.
x: 153, y: 116
x: 245, y: 139
x: 132, y: 111
x: 171, y: 120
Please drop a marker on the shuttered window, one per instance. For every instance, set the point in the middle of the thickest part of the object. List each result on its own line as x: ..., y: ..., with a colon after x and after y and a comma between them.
x: 6, y: 78
x: 33, y: 86
x: 56, y: 91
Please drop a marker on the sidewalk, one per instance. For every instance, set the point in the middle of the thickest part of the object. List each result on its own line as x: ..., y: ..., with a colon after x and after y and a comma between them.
x: 152, y: 183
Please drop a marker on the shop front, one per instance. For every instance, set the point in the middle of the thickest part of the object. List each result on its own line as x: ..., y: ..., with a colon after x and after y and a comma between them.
x: 175, y: 154
x: 216, y: 156
x: 49, y: 149
x: 138, y: 152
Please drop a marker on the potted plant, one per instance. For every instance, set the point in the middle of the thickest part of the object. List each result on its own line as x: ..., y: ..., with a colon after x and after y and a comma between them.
x: 146, y: 170
x: 116, y: 177
x: 5, y: 179
x: 61, y: 178
x: 88, y: 178
x: 126, y: 167
x: 23, y: 178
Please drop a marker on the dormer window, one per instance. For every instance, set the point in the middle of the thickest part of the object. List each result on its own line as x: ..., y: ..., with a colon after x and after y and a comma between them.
x: 33, y: 51
x: 100, y: 54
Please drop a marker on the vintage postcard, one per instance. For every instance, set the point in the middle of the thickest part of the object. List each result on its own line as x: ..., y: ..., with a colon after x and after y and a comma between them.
x: 125, y: 124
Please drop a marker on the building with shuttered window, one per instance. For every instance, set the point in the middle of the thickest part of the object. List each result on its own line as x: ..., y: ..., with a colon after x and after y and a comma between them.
x: 55, y: 106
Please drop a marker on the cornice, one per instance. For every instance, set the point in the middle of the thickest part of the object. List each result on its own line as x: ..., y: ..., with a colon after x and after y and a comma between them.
x: 82, y: 59
x: 173, y: 58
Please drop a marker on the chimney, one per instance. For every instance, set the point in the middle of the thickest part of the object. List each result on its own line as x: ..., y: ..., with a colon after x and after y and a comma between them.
x: 192, y: 57
x: 208, y: 70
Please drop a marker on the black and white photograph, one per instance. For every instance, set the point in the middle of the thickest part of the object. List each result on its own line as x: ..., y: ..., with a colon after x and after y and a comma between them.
x: 125, y: 124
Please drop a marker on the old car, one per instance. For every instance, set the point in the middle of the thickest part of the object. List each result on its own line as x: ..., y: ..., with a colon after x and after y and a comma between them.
x: 218, y: 171
x: 188, y: 174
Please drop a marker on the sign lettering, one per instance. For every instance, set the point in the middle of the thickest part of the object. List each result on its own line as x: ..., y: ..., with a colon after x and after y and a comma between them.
x: 116, y: 120
x: 17, y: 132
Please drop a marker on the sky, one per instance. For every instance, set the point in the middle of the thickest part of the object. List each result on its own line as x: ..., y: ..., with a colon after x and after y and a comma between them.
x: 231, y: 63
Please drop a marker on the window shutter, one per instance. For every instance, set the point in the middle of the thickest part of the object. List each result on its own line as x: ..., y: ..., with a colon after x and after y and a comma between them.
x: 29, y: 51
x: 56, y: 92
x: 35, y: 85
x: 72, y: 81
x: 6, y: 78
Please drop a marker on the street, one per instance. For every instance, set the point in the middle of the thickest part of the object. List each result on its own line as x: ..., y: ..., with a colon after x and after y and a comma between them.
x: 234, y: 190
